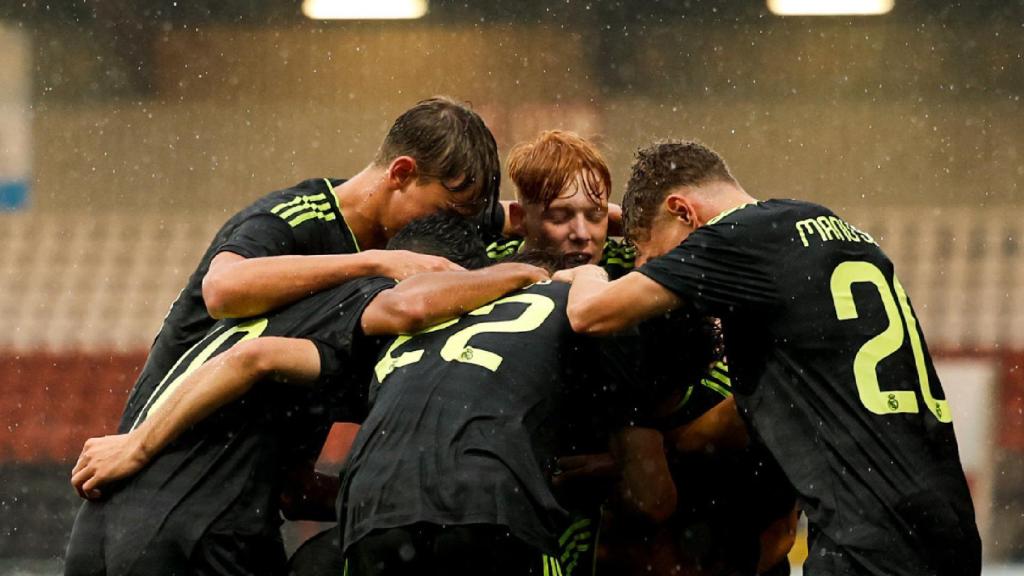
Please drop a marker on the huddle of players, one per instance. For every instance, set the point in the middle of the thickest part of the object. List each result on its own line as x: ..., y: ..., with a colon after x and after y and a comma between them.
x: 452, y: 468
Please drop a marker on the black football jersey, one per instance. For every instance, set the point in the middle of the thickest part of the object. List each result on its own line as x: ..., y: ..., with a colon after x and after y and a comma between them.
x: 303, y: 219
x: 469, y: 417
x: 239, y: 452
x: 831, y: 369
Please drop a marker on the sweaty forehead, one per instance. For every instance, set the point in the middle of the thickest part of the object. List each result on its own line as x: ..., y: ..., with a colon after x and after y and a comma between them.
x: 575, y: 198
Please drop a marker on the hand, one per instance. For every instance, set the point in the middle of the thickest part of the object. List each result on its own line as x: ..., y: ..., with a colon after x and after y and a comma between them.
x: 570, y: 274
x: 400, y: 264
x: 104, y: 460
x: 533, y: 274
x: 584, y: 466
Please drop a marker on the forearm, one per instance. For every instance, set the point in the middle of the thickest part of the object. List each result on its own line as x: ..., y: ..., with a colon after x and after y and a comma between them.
x: 719, y: 428
x: 777, y: 540
x: 212, y: 385
x: 241, y: 287
x: 599, y: 307
x: 433, y: 297
x: 224, y: 379
x: 646, y: 487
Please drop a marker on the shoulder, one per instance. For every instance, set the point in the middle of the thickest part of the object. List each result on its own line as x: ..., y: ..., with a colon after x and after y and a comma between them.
x: 758, y: 220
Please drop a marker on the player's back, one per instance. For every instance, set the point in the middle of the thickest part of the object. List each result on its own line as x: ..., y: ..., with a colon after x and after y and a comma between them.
x: 227, y: 469
x: 466, y: 422
x: 303, y: 219
x: 833, y: 370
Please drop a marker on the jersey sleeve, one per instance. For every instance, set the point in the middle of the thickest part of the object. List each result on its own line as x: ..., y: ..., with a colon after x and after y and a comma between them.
x: 715, y: 272
x: 260, y: 235
x: 340, y: 342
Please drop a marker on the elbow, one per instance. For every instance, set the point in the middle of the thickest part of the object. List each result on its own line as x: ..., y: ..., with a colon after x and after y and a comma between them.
x: 401, y: 315
x: 216, y: 297
x: 249, y: 360
x: 587, y: 321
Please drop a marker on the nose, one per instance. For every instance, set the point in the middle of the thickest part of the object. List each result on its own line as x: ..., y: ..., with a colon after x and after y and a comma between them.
x: 578, y: 229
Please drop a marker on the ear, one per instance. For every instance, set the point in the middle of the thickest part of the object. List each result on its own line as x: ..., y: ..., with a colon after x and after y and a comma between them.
x: 516, y: 219
x: 681, y: 207
x: 401, y: 172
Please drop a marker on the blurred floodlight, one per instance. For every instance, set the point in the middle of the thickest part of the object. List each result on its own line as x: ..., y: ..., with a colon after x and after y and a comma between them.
x: 829, y: 7
x: 364, y: 9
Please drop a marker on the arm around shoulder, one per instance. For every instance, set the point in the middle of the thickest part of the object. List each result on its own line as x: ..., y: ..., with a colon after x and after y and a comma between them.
x: 599, y: 307
x: 427, y: 299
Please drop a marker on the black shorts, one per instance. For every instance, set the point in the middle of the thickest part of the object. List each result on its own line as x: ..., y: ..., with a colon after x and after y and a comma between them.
x: 105, y: 539
x: 470, y: 550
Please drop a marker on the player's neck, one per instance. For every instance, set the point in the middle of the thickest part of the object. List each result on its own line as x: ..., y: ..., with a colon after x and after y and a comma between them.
x: 722, y: 197
x: 360, y: 199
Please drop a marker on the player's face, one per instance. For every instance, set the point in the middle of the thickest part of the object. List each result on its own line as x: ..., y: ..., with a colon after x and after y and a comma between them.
x: 573, y: 226
x: 665, y: 234
x: 423, y: 198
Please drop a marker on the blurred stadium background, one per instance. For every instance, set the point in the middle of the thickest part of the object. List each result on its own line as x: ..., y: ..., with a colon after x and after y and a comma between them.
x: 130, y: 130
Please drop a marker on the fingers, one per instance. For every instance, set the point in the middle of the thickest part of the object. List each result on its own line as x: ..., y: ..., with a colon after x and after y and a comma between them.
x: 79, y: 478
x: 89, y: 488
x: 563, y: 276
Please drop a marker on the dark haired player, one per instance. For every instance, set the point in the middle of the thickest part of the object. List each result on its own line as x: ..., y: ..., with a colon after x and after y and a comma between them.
x: 562, y: 186
x: 437, y: 155
x: 449, y: 473
x: 207, y: 501
x: 829, y: 366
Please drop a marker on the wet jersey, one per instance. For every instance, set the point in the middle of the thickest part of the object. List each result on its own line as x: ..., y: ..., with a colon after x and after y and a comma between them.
x: 829, y: 366
x: 469, y: 417
x: 235, y: 458
x: 304, y: 219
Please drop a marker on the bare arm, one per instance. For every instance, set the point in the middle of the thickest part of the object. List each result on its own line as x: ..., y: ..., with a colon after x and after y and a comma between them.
x: 212, y: 385
x: 777, y: 540
x: 237, y: 287
x: 719, y: 427
x: 647, y: 486
x: 427, y: 299
x: 599, y: 307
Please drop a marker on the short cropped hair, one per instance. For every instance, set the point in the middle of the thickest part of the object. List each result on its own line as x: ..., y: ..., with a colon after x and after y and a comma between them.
x: 543, y: 168
x: 445, y: 234
x: 661, y: 167
x: 450, y: 142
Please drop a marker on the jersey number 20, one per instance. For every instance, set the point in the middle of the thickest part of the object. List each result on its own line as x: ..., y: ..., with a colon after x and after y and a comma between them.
x: 865, y: 364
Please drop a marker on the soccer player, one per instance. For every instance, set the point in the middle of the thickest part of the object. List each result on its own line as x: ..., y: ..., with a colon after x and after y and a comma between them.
x: 562, y: 187
x: 207, y: 502
x: 828, y: 364
x: 449, y: 473
x: 437, y: 155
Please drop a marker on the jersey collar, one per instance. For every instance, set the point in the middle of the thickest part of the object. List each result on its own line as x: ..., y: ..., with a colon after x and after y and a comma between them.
x: 725, y: 213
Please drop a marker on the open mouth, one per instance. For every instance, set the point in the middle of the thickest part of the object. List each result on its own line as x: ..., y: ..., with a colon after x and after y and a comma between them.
x: 573, y: 259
